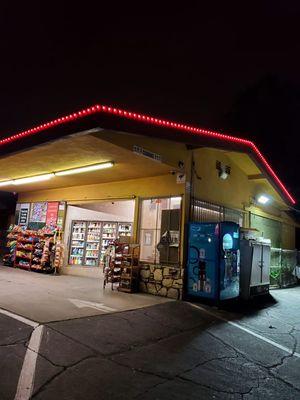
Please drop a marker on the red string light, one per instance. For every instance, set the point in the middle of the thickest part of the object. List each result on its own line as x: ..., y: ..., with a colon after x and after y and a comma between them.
x: 152, y: 121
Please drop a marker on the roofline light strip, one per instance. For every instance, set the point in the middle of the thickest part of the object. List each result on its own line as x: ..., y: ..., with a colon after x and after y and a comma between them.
x: 45, y: 177
x: 152, y: 121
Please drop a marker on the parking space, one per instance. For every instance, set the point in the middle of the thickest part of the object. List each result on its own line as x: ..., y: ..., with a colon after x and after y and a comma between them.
x: 164, y: 350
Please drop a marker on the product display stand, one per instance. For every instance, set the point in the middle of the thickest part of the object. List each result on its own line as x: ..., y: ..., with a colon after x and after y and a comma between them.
x: 57, y: 253
x: 122, y: 266
x: 24, y: 250
x: 31, y: 250
x: 9, y: 257
x: 112, y: 269
x: 130, y: 270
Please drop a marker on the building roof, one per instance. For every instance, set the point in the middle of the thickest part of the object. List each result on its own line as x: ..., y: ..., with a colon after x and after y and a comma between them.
x: 122, y: 120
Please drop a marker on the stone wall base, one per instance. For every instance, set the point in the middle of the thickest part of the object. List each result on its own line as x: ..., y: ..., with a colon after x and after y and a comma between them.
x: 160, y: 280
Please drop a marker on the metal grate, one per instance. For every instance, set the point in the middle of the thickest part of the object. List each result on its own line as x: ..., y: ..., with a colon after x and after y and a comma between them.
x: 282, y: 267
x: 202, y: 211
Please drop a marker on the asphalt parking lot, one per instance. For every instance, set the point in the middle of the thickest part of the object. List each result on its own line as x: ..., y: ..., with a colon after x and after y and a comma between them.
x: 172, y: 350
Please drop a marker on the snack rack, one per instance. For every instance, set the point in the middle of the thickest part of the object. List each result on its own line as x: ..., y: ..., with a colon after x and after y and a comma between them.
x: 130, y: 269
x: 31, y: 250
x: 122, y: 266
x: 24, y: 250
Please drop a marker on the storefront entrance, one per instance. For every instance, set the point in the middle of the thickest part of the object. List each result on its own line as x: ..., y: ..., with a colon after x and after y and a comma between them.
x: 90, y: 228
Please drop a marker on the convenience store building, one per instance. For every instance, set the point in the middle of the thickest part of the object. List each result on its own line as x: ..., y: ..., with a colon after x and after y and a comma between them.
x: 102, y: 172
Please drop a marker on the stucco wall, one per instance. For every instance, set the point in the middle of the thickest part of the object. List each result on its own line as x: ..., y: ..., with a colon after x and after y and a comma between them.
x: 234, y: 192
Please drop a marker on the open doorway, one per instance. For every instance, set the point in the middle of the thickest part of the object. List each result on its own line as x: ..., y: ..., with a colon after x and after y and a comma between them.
x: 91, y: 226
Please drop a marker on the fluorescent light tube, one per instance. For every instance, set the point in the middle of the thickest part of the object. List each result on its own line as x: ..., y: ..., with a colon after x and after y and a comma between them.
x: 87, y: 168
x: 30, y: 179
x: 6, y: 183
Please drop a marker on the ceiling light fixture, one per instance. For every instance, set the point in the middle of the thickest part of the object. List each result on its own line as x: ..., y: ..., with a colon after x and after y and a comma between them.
x: 6, y: 183
x: 93, y: 167
x: 31, y: 179
x: 46, y: 177
x: 263, y: 199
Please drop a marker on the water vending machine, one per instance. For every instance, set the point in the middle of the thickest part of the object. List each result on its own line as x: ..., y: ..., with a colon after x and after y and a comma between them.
x: 213, y: 260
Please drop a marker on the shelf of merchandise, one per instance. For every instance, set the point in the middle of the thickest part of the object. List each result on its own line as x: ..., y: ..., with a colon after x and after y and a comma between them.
x: 109, y: 234
x: 23, y: 253
x: 78, y: 238
x: 29, y: 250
x: 9, y: 256
x: 130, y: 269
x: 93, y: 238
x: 124, y: 229
x: 123, y: 267
x: 38, y: 254
x: 89, y: 239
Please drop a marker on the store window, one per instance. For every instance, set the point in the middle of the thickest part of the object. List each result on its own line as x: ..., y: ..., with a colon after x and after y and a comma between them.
x: 160, y: 230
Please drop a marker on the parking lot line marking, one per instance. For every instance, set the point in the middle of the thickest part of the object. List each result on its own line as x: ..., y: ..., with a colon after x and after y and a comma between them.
x: 19, y: 318
x: 249, y: 331
x: 27, y: 375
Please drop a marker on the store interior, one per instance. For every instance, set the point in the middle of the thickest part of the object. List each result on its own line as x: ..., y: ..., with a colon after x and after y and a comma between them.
x: 96, y: 238
x: 91, y: 226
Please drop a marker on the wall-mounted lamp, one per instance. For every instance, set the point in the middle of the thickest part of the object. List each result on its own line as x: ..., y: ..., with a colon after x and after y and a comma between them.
x: 223, y: 170
x: 263, y: 199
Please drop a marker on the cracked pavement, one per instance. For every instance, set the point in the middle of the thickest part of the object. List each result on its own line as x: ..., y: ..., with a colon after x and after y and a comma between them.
x: 167, y: 351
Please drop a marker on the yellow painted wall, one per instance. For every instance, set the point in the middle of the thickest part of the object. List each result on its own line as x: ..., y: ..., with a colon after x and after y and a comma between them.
x: 158, y: 186
x: 288, y: 225
x: 164, y: 185
x: 233, y: 192
x: 288, y: 237
x: 171, y: 152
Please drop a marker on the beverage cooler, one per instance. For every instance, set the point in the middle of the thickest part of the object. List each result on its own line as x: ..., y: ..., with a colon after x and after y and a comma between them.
x: 89, y: 240
x: 213, y: 260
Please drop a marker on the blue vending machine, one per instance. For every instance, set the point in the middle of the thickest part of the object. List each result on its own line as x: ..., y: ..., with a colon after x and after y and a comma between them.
x: 213, y: 260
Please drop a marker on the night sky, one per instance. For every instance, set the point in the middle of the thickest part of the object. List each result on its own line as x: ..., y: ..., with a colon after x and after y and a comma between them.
x: 229, y: 66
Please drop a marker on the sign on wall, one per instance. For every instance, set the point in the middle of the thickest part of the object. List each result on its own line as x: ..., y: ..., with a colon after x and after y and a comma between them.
x: 24, y: 214
x: 61, y: 214
x: 52, y: 213
x: 38, y: 212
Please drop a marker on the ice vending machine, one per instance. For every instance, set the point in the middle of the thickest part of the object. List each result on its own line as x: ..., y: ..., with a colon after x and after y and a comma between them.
x: 213, y: 260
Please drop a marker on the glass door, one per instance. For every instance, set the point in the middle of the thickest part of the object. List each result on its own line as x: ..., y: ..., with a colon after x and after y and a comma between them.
x: 124, y: 229
x: 92, y: 247
x: 109, y: 234
x: 78, y: 232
